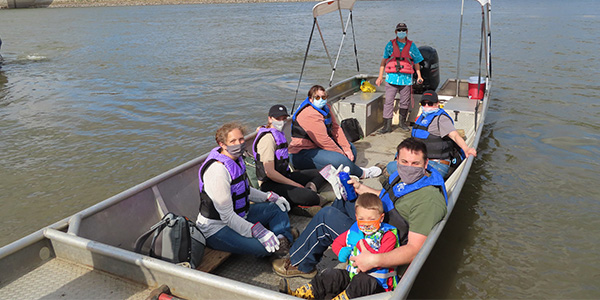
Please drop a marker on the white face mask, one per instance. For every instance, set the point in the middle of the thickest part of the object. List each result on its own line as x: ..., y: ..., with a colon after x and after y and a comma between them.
x: 278, y: 125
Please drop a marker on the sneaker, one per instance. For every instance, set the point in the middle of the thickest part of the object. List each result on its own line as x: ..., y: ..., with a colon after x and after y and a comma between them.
x: 305, y: 211
x: 311, y: 186
x: 371, y: 172
x: 283, y: 267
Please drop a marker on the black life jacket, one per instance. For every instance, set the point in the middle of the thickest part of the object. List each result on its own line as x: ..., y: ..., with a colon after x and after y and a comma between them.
x: 437, y: 147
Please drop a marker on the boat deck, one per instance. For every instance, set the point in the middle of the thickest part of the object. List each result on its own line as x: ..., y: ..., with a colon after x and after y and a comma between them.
x: 61, y: 279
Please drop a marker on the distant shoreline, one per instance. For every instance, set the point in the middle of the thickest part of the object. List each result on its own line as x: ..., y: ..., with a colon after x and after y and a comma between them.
x: 98, y: 3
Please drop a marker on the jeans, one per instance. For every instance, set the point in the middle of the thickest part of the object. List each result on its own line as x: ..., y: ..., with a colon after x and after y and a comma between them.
x: 441, y: 168
x: 325, y: 226
x: 318, y: 158
x: 269, y: 215
x: 296, y: 195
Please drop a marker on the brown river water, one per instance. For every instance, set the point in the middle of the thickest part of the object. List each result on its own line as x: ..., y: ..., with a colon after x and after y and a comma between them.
x: 96, y: 100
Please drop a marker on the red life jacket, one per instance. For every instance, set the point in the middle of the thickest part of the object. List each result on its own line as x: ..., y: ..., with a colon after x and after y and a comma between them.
x: 400, y: 62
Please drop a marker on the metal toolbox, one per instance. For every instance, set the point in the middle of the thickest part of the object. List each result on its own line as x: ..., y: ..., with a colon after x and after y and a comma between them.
x: 367, y: 108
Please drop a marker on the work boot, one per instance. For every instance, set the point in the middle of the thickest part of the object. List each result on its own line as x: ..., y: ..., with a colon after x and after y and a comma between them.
x: 387, y: 126
x: 284, y: 247
x: 402, y: 123
x: 341, y: 296
x: 295, y: 232
x: 283, y: 267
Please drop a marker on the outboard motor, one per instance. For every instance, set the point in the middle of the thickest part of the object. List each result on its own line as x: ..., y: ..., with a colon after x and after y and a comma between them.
x: 430, y: 71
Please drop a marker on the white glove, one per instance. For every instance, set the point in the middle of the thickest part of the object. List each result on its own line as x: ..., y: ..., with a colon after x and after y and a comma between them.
x: 283, y: 204
x: 266, y: 237
x: 331, y: 175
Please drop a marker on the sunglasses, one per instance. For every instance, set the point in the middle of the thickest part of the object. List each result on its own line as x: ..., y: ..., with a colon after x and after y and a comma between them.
x: 319, y: 97
x: 401, y: 30
x: 426, y: 103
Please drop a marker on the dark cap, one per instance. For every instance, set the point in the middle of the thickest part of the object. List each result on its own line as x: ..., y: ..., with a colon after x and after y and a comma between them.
x: 277, y: 111
x: 430, y: 96
x: 401, y: 26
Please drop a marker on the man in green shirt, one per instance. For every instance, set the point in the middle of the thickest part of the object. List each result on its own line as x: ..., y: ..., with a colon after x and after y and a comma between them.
x: 418, y: 195
x: 414, y: 194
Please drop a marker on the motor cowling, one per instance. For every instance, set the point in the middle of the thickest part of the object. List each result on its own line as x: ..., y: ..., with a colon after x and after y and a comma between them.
x: 430, y: 71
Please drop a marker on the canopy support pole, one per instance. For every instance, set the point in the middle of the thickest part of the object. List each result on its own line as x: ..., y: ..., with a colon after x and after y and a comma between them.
x: 345, y: 28
x: 354, y: 41
x: 462, y: 9
x: 304, y: 63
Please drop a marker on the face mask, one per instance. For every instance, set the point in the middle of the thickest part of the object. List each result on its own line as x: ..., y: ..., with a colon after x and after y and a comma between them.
x: 319, y: 103
x: 368, y: 227
x: 430, y: 109
x: 410, y: 174
x: 278, y: 125
x: 401, y: 34
x: 236, y: 150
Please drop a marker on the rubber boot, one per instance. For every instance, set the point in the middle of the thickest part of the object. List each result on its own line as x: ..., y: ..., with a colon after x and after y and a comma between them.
x: 403, y: 114
x: 387, y: 126
x: 284, y: 286
x: 304, y: 292
x: 341, y: 296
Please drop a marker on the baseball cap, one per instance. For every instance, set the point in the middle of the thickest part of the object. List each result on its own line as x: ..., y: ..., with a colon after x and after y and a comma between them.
x: 401, y: 26
x: 430, y: 96
x: 277, y: 111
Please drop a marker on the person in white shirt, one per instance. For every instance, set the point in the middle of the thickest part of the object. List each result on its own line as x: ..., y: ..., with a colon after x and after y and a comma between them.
x: 227, y: 219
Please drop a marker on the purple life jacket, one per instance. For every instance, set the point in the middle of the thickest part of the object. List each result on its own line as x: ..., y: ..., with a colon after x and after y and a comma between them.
x: 281, y: 153
x: 240, y: 186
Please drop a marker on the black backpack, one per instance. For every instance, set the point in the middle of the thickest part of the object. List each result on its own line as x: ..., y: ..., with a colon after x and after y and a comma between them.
x: 182, y: 241
x: 352, y: 129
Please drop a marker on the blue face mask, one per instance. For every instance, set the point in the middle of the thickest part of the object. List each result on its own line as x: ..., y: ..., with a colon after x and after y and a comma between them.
x: 319, y: 103
x: 430, y: 110
x: 401, y: 34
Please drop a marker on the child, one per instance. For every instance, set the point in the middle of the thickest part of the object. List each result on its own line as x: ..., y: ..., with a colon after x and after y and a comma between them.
x: 378, y: 237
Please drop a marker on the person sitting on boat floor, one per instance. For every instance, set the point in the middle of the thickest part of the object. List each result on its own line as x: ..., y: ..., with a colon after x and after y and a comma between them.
x: 401, y: 59
x: 270, y: 151
x: 414, y: 195
x: 227, y: 219
x: 436, y: 129
x: 318, y: 140
x: 378, y: 237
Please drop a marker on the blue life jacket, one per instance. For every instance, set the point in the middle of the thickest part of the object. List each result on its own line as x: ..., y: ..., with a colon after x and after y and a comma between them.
x: 437, y: 147
x: 394, y: 189
x: 298, y: 131
x: 374, y: 240
x: 240, y: 186
x: 281, y: 153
